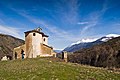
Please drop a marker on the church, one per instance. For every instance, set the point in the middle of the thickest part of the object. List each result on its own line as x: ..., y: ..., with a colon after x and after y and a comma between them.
x: 36, y: 45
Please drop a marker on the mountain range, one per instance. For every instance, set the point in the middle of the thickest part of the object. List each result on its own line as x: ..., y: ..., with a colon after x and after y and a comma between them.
x: 106, y: 54
x: 87, y: 43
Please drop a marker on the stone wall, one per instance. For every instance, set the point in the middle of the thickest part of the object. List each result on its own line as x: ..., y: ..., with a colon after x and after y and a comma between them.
x: 46, y: 49
x: 36, y: 41
x: 28, y: 44
x: 17, y: 51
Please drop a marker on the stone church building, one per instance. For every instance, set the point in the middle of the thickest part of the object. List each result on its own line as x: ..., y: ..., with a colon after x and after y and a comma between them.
x: 36, y: 45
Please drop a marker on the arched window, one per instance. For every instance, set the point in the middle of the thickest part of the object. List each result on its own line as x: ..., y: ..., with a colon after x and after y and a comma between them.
x: 44, y: 39
x: 34, y: 34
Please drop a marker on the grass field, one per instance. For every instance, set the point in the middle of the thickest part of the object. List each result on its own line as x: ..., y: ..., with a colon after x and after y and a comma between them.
x: 48, y: 69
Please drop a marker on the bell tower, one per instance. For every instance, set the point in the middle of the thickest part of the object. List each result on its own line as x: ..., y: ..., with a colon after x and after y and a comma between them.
x: 33, y: 39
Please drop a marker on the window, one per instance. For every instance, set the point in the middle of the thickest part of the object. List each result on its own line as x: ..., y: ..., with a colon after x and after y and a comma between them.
x: 33, y: 34
x: 44, y: 39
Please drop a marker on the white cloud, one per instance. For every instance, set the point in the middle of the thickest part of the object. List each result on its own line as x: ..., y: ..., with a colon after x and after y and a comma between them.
x: 67, y: 14
x: 87, y: 27
x: 94, y: 18
x: 67, y: 10
x: 56, y: 32
x: 10, y: 31
x: 82, y: 23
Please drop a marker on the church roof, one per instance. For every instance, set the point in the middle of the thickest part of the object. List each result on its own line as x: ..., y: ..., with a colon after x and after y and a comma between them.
x: 27, y: 32
x: 47, y: 46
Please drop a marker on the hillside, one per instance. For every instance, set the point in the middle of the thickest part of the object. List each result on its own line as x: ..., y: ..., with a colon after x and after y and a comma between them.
x: 52, y: 69
x: 106, y: 54
x: 7, y: 44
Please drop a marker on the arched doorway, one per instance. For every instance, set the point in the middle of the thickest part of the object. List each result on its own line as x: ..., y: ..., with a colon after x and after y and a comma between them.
x: 15, y: 55
x: 22, y: 54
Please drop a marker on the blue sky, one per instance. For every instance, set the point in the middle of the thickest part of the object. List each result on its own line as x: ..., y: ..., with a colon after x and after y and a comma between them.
x: 65, y: 21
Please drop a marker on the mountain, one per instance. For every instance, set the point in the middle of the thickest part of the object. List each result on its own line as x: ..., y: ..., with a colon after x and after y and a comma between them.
x: 7, y: 44
x: 106, y: 54
x: 86, y: 43
x: 57, y: 51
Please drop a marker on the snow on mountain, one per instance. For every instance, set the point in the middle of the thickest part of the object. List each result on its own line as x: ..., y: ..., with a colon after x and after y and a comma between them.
x: 112, y: 35
x: 109, y: 36
x: 106, y: 39
x: 86, y: 43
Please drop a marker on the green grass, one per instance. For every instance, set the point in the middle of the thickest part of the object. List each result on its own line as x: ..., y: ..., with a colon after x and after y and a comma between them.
x: 47, y: 69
